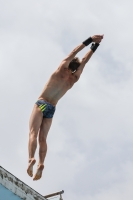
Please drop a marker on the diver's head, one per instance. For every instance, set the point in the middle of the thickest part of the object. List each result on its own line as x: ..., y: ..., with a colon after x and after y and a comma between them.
x: 74, y: 64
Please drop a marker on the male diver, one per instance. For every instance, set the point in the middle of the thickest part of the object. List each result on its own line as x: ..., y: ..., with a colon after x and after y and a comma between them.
x: 60, y: 82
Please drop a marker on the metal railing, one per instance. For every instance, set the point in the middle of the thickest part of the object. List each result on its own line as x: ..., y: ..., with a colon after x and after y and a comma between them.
x: 55, y: 194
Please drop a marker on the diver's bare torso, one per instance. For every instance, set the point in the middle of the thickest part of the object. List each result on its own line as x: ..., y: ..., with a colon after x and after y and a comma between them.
x: 58, y: 84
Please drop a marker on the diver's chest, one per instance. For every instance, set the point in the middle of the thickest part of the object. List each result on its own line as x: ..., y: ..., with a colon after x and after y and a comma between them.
x: 67, y: 79
x: 69, y: 82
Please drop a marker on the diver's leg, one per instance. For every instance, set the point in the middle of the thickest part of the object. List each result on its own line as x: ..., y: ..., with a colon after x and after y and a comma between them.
x: 44, y: 129
x: 34, y: 126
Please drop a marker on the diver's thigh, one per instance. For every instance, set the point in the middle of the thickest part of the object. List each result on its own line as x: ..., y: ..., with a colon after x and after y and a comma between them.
x: 36, y: 118
x: 45, y: 126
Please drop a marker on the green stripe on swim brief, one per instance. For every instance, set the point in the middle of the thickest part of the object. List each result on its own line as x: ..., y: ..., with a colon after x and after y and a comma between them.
x: 42, y: 107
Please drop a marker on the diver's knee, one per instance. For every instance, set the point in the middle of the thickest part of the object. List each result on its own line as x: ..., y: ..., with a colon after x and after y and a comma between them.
x: 42, y: 139
x: 33, y: 133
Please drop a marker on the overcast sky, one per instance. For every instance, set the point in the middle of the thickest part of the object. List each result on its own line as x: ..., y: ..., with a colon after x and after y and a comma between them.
x: 90, y: 144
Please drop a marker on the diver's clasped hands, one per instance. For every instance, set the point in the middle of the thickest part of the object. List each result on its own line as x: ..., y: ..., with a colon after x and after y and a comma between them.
x: 97, y: 38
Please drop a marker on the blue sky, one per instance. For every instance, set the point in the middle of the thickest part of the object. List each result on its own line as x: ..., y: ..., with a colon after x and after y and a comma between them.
x: 90, y: 144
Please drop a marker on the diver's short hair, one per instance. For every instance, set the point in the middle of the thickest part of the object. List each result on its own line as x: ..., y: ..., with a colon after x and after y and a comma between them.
x: 74, y: 64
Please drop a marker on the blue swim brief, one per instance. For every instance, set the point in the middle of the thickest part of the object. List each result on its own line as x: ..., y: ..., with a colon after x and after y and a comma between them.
x: 46, y: 108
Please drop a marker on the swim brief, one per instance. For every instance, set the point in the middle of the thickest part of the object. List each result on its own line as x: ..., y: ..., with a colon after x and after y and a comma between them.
x: 46, y: 108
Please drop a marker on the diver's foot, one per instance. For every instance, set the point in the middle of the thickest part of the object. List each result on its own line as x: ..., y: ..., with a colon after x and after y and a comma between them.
x: 32, y: 161
x: 38, y: 174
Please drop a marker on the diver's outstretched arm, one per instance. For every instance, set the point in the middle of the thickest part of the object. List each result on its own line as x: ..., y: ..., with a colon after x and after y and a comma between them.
x: 95, y: 38
x: 86, y: 58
